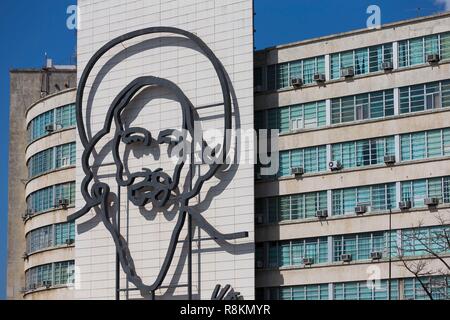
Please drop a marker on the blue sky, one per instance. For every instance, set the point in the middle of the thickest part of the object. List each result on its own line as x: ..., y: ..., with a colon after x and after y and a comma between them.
x: 29, y: 29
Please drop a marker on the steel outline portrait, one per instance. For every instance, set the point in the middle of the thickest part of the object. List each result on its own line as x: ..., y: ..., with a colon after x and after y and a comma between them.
x: 98, y: 196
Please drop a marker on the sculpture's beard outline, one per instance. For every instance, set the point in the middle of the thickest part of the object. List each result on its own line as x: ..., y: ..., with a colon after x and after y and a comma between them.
x: 155, y: 188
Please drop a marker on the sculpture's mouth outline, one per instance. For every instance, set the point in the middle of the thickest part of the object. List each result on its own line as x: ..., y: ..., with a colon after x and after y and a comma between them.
x: 155, y: 188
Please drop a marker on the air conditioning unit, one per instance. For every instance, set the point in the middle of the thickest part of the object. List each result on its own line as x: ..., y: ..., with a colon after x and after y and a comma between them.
x: 431, y: 202
x: 319, y: 77
x: 70, y: 242
x: 347, y: 72
x: 308, y: 261
x: 25, y: 256
x: 297, y: 171
x: 376, y: 255
x: 296, y: 82
x: 433, y: 58
x: 346, y: 257
x: 63, y: 203
x: 50, y: 128
x: 27, y: 214
x: 322, y: 214
x: 389, y: 159
x: 259, y: 264
x: 387, y: 65
x: 335, y: 165
x: 64, y: 162
x: 259, y: 219
x: 47, y: 284
x: 404, y: 205
x: 360, y: 209
x: 296, y: 124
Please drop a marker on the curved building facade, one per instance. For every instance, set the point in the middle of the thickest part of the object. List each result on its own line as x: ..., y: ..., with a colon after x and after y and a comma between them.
x: 41, y: 256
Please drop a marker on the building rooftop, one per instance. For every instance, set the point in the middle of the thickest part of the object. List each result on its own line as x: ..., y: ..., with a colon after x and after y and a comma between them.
x: 358, y: 31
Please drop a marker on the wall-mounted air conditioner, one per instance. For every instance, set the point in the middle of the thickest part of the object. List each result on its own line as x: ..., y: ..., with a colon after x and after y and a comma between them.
x: 347, y: 72
x: 335, y: 165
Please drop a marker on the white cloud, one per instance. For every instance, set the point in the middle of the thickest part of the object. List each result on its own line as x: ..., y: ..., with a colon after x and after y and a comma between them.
x: 446, y: 3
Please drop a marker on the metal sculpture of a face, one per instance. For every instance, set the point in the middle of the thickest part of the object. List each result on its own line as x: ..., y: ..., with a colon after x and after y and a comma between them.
x: 145, y: 186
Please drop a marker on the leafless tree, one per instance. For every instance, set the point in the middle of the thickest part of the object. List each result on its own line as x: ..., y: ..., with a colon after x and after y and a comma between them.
x: 433, y: 246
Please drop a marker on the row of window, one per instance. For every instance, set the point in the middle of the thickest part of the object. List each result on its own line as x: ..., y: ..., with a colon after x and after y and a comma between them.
x: 367, y: 152
x: 415, y: 51
x: 50, y: 236
x: 363, y: 61
x: 51, y: 159
x: 312, y: 160
x: 411, y: 288
x: 427, y: 144
x: 374, y: 198
x: 308, y: 115
x: 354, y: 247
x: 52, y: 274
x: 48, y: 198
x: 279, y: 75
x: 373, y: 105
x: 60, y: 118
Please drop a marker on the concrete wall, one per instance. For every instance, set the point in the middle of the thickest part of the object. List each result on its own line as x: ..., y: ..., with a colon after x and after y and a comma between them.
x: 226, y: 201
x: 26, y: 88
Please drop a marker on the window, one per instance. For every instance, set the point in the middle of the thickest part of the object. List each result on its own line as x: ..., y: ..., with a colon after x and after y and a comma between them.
x: 365, y: 290
x: 361, y: 107
x: 425, y: 97
x: 428, y: 144
x: 416, y: 191
x: 36, y: 128
x: 425, y: 241
x: 59, y: 273
x: 279, y: 76
x: 39, y: 239
x: 285, y: 119
x: 50, y: 236
x: 51, y: 159
x: 437, y: 286
x: 363, y: 152
x: 295, y: 207
x: 64, y: 232
x: 308, y: 292
x: 313, y: 159
x: 292, y: 253
x: 360, y: 246
x: 40, y: 163
x: 415, y: 51
x: 65, y: 116
x: 47, y: 198
x: 62, y: 117
x: 364, y: 61
x: 376, y: 198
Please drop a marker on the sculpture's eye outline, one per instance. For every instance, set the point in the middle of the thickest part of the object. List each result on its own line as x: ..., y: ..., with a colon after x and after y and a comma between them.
x: 137, y: 135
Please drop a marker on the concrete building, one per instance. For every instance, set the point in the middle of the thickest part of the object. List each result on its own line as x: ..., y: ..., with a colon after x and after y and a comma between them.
x: 41, y: 182
x: 364, y: 152
x: 364, y: 159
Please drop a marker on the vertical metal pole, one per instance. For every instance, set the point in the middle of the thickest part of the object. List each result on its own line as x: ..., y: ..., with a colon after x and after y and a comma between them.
x: 191, y: 176
x: 390, y: 252
x: 117, y: 254
x: 190, y: 257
